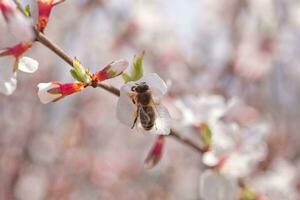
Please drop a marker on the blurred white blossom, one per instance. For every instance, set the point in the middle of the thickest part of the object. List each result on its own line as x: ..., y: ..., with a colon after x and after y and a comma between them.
x: 14, y: 25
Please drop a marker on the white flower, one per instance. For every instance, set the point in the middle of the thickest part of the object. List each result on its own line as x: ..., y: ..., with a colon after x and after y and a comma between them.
x: 8, y: 81
x: 236, y: 148
x: 127, y: 110
x: 278, y: 182
x: 242, y: 147
x: 14, y: 25
x: 215, y: 186
x: 204, y: 108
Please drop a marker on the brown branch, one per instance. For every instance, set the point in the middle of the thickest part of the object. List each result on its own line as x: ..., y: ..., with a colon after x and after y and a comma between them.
x: 40, y: 37
x: 186, y: 141
x: 46, y: 42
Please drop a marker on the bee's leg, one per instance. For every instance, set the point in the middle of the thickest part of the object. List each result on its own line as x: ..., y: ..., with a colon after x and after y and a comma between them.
x: 136, y: 117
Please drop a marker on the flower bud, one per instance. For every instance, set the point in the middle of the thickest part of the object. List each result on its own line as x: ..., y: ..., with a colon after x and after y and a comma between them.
x: 112, y: 70
x: 45, y: 7
x: 17, y: 50
x: 53, y: 91
x: 155, y: 153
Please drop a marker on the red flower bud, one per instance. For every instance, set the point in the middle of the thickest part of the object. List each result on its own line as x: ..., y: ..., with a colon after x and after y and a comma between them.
x: 155, y: 153
x: 53, y: 91
x: 110, y: 71
x: 17, y: 50
x: 45, y: 7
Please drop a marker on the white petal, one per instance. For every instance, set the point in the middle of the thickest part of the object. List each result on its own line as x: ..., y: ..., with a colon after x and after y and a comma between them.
x: 210, y: 159
x: 20, y: 27
x: 28, y: 65
x: 119, y: 66
x: 8, y: 82
x: 163, y: 121
x: 156, y: 84
x: 44, y: 95
x: 237, y: 165
x: 125, y: 107
x: 8, y: 86
x: 214, y: 186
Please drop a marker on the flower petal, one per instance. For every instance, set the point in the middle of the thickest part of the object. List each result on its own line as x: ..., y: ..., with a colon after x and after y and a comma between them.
x: 20, y: 27
x: 156, y: 84
x: 126, y: 110
x: 217, y: 187
x: 210, y: 159
x: 44, y: 95
x: 28, y: 65
x: 8, y: 86
x: 162, y: 125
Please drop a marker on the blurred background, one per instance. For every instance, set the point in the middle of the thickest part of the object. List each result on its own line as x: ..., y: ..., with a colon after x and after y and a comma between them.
x: 77, y: 149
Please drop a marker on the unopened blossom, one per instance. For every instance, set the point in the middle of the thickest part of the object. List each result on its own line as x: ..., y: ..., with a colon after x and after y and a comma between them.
x: 45, y: 7
x: 111, y: 70
x: 15, y: 62
x: 155, y: 153
x: 53, y: 91
x: 127, y: 110
x: 14, y: 26
x: 215, y: 186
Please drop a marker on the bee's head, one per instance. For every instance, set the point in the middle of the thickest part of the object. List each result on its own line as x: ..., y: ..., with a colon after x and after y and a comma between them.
x: 140, y: 88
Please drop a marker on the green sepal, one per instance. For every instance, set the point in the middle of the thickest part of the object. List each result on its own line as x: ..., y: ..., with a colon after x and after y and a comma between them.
x: 79, y: 73
x: 206, y: 134
x: 248, y: 195
x: 136, y: 69
x: 27, y: 10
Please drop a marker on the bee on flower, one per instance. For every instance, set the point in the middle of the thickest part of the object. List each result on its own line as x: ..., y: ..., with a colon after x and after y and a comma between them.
x: 140, y: 107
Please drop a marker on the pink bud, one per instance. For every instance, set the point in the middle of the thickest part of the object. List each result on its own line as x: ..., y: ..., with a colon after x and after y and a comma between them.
x: 17, y: 50
x: 155, y: 153
x: 6, y: 8
x: 112, y: 70
x: 53, y: 91
x: 45, y: 7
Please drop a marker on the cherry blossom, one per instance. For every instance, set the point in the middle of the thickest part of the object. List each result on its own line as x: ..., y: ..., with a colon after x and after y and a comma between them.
x: 127, y: 110
x: 111, y: 70
x: 236, y: 146
x: 53, y: 91
x: 16, y: 63
x: 14, y: 25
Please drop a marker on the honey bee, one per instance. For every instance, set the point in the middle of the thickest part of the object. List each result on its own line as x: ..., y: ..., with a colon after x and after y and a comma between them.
x: 140, y: 106
x: 146, y: 113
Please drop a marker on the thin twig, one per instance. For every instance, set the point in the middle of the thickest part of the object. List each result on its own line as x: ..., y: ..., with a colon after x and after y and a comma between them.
x: 186, y: 141
x: 46, y: 42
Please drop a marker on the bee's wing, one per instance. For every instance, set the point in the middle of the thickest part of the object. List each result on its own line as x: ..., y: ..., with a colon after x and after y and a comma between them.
x: 162, y: 124
x: 126, y: 110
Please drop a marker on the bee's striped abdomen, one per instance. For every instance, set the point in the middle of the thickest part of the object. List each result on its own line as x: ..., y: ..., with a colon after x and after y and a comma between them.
x: 147, y: 117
